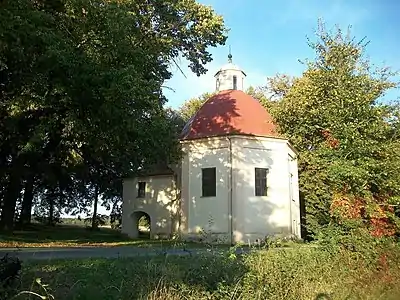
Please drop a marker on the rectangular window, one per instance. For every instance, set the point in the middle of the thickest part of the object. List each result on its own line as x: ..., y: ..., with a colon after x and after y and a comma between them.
x: 209, y: 182
x: 261, y: 187
x: 234, y: 82
x: 141, y: 192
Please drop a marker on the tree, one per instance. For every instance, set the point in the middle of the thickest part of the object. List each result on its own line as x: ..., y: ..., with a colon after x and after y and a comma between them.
x: 261, y: 94
x: 280, y: 85
x: 81, y: 88
x: 348, y: 149
x: 189, y: 108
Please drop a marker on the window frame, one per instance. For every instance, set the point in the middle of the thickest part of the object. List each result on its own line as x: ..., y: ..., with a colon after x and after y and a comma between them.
x: 141, y: 189
x: 209, y: 182
x: 261, y: 182
x: 234, y: 82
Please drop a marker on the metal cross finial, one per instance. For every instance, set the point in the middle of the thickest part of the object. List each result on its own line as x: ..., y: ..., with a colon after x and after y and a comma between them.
x: 230, y: 55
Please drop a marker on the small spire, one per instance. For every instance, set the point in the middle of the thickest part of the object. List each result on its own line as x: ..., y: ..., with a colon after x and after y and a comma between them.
x: 230, y: 55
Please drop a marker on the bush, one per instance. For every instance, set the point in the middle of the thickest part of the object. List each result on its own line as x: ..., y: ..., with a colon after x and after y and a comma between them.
x: 10, y: 268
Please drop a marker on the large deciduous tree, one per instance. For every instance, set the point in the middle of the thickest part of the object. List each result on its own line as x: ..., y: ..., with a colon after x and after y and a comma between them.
x: 80, y: 85
x: 348, y: 140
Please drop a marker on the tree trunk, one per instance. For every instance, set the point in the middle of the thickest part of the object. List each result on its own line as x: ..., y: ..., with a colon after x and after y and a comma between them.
x: 10, y: 200
x: 51, y: 209
x: 95, y: 201
x: 27, y: 201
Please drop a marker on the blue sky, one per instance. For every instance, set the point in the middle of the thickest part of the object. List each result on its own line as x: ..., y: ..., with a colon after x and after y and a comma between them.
x: 269, y: 37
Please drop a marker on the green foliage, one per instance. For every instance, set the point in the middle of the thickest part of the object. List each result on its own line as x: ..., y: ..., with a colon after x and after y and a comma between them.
x: 144, y: 221
x: 348, y: 140
x: 280, y: 85
x: 190, y: 107
x: 296, y: 273
x: 260, y: 94
x: 101, y: 220
x: 81, y: 93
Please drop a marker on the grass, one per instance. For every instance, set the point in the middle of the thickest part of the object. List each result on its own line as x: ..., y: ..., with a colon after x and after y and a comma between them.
x: 40, y: 236
x: 296, y: 273
x: 63, y: 236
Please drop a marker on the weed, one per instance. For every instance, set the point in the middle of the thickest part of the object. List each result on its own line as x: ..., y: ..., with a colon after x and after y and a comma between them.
x: 278, y: 273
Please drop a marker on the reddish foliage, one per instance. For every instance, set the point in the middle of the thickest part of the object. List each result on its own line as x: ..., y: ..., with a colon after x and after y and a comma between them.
x: 354, y: 208
x: 381, y: 227
x: 380, y: 223
x: 332, y: 141
x: 383, y: 268
x: 348, y: 208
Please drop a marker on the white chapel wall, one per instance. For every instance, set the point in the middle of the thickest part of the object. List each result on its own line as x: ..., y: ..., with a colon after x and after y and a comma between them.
x: 258, y: 216
x: 210, y: 214
x: 253, y: 217
x: 159, y: 203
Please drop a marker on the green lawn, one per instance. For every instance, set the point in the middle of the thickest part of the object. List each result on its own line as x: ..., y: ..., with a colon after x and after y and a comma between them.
x: 299, y: 273
x: 39, y: 236
x: 63, y: 235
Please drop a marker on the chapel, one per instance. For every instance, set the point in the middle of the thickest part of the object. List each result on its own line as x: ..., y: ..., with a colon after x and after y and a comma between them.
x: 237, y: 181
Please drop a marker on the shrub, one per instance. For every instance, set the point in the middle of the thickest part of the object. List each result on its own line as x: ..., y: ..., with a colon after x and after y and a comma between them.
x: 10, y: 268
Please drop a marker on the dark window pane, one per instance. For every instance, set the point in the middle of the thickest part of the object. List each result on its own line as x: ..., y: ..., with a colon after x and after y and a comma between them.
x: 261, y: 187
x: 234, y: 82
x: 209, y: 182
x: 141, y: 189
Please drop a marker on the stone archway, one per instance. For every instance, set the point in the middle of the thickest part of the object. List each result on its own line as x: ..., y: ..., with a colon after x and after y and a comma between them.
x: 142, y: 225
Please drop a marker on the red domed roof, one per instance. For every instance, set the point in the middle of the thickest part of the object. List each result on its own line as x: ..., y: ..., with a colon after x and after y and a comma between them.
x: 230, y: 112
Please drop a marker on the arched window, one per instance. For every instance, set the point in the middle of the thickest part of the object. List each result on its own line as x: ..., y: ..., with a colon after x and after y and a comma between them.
x: 234, y: 82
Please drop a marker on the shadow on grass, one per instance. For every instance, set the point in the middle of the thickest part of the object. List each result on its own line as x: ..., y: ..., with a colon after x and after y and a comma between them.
x: 63, y: 233
x: 302, y: 273
x: 138, y: 278
x: 40, y: 236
